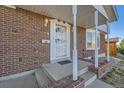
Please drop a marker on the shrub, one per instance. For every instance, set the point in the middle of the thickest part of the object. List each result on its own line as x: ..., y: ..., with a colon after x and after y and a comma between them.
x: 121, y: 47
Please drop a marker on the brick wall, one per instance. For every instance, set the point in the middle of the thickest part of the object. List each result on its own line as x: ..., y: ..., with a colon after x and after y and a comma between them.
x: 21, y: 47
x: 81, y: 41
x: 21, y: 34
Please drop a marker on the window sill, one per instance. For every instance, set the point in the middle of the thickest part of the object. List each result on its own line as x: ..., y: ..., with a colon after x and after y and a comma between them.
x: 91, y: 49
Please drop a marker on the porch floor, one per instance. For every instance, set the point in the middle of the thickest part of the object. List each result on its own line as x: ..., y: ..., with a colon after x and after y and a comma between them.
x: 58, y: 71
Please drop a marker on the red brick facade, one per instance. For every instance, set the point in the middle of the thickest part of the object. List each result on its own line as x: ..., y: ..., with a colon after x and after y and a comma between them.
x: 21, y: 34
x: 102, y: 69
x: 81, y: 43
x: 21, y: 47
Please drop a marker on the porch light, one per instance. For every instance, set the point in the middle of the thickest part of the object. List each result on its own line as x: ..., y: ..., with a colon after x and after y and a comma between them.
x: 46, y: 22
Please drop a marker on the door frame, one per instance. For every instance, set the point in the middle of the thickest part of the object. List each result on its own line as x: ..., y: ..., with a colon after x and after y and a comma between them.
x: 53, y: 58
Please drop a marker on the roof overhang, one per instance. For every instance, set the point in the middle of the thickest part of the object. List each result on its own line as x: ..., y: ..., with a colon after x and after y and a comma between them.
x: 85, y: 13
x: 111, y: 12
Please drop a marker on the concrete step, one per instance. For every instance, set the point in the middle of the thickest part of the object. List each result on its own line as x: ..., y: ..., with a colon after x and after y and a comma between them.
x: 57, y: 71
x: 42, y: 78
x: 82, y: 71
x: 89, y: 77
x: 47, y: 73
x: 60, y: 72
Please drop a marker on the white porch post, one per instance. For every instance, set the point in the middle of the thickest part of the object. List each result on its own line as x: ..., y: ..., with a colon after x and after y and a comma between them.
x: 96, y: 33
x: 108, y: 31
x: 75, y: 59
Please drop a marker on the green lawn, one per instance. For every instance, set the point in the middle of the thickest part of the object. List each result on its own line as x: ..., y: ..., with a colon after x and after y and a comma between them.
x: 122, y: 59
x: 115, y: 77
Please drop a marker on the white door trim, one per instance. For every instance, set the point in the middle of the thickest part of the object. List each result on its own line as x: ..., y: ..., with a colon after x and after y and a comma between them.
x: 53, y: 58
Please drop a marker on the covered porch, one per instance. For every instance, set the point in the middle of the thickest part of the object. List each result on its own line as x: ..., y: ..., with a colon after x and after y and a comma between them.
x: 89, y: 17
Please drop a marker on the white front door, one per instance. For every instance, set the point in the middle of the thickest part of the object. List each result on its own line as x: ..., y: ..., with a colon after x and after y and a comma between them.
x: 61, y: 41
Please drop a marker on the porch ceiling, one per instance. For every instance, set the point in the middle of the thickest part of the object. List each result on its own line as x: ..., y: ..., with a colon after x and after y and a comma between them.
x: 85, y: 15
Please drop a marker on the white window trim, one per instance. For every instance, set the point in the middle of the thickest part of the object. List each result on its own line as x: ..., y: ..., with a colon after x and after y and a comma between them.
x: 91, y: 30
x: 53, y: 58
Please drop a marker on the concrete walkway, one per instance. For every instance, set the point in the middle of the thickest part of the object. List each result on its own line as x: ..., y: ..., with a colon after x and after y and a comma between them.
x: 28, y: 81
x: 99, y: 84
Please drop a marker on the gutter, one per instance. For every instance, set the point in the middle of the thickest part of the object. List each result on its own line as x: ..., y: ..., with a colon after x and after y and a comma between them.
x: 116, y: 13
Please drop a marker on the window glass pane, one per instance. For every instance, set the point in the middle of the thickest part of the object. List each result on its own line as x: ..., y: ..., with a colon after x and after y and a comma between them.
x: 89, y: 40
x: 93, y: 40
x: 98, y: 40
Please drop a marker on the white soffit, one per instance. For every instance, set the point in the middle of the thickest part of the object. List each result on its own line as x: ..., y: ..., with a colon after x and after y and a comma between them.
x: 101, y: 9
x: 111, y: 12
x: 85, y: 13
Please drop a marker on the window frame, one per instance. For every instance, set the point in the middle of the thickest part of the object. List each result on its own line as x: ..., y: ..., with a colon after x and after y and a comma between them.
x: 93, y: 31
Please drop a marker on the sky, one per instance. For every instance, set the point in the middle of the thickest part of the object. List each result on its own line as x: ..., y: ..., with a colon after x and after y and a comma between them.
x: 117, y: 28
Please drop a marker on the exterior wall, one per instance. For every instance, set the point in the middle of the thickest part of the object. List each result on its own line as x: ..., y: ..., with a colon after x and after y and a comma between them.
x: 81, y: 43
x: 102, y: 43
x: 21, y: 35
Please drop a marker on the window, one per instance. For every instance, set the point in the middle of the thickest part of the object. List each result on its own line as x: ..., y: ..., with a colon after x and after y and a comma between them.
x: 90, y: 39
